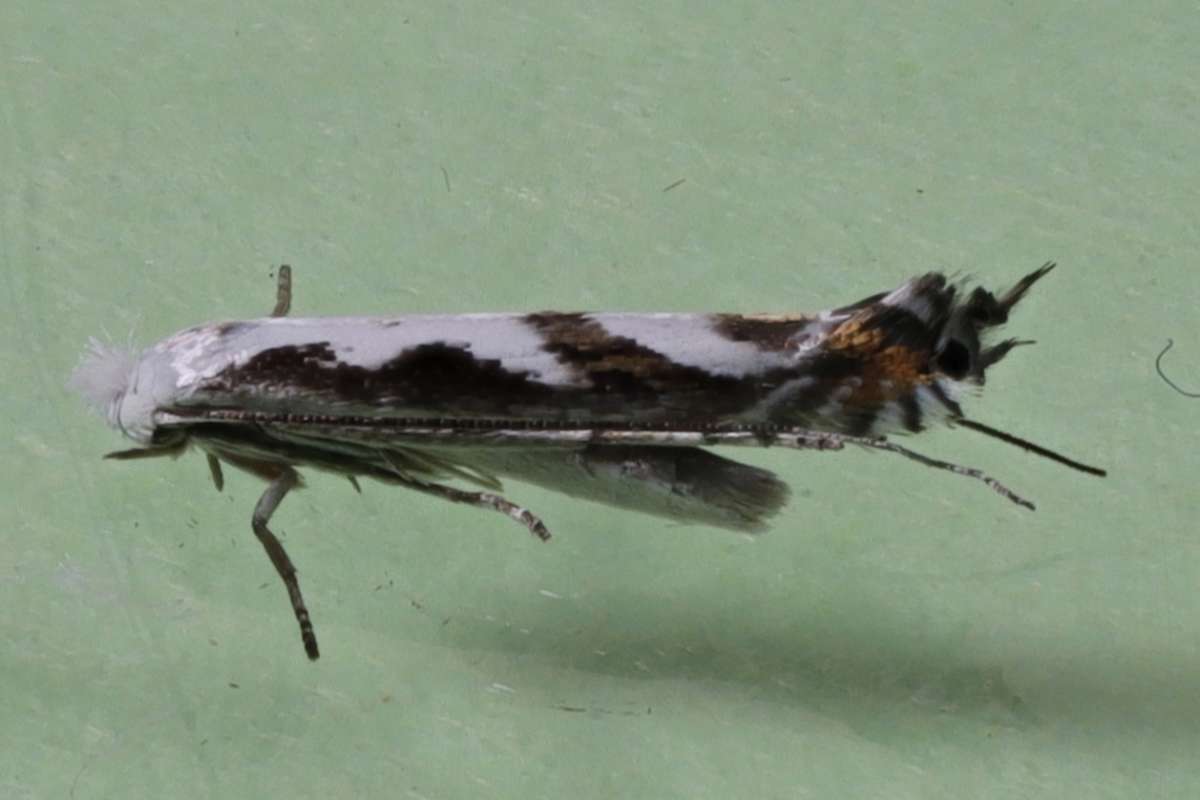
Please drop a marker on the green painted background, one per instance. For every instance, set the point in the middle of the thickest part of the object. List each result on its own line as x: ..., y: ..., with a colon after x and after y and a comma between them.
x: 900, y: 634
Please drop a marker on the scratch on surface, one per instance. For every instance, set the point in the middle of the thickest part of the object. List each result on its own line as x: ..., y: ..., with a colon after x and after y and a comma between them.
x: 524, y: 193
x: 75, y: 783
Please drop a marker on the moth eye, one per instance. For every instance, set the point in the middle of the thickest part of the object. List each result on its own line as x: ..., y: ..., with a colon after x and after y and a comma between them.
x: 954, y: 359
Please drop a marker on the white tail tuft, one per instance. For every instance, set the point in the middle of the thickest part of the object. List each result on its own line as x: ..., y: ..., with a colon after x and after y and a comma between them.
x: 103, y: 376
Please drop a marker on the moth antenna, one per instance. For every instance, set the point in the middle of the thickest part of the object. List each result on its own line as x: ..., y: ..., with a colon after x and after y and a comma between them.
x: 283, y: 292
x: 1028, y: 446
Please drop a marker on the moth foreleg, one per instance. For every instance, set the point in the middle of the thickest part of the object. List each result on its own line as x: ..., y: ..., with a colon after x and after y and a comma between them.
x: 479, y: 500
x: 172, y: 450
x: 287, y: 479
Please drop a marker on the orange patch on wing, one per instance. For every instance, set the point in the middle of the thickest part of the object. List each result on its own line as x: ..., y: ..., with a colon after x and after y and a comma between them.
x: 902, y: 365
x: 886, y: 372
x: 851, y: 335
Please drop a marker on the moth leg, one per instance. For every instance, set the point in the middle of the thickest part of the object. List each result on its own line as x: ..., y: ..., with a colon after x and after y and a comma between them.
x: 287, y: 480
x: 173, y: 450
x: 214, y: 469
x: 817, y: 440
x: 479, y: 500
x: 283, y: 292
x: 800, y: 439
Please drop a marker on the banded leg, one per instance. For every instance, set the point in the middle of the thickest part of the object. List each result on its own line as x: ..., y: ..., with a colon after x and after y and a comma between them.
x: 276, y: 491
x: 480, y: 500
x: 805, y: 440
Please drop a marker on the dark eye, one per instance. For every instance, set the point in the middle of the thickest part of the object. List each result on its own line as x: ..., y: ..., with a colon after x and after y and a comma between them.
x: 954, y: 359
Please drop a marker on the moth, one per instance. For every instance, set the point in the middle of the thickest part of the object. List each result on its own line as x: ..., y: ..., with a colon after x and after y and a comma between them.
x: 610, y: 407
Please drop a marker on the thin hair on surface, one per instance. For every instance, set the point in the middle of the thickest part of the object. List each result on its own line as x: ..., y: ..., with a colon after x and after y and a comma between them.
x: 1163, y: 375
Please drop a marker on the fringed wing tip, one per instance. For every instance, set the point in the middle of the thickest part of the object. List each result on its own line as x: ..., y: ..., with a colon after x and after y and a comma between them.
x: 750, y: 496
x: 701, y: 486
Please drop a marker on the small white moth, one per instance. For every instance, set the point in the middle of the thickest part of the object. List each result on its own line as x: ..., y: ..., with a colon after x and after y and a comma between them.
x: 615, y: 408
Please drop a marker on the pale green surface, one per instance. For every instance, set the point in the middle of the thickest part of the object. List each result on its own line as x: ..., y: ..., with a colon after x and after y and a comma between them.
x: 900, y: 634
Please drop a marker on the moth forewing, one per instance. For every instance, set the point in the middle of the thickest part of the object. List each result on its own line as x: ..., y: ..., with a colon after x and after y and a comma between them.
x: 614, y: 408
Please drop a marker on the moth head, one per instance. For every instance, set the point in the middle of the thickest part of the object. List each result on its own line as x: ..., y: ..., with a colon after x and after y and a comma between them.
x: 920, y: 348
x: 926, y: 341
x: 961, y: 351
x: 931, y: 315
